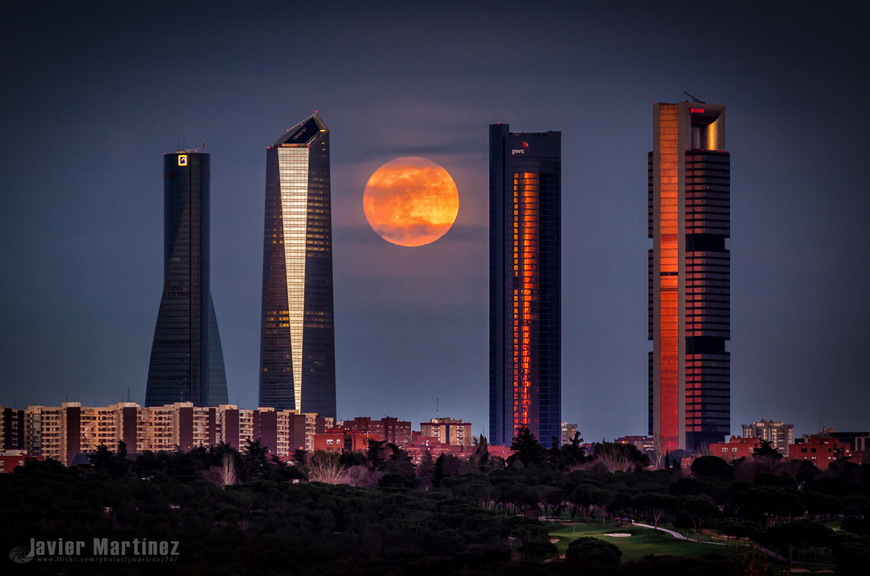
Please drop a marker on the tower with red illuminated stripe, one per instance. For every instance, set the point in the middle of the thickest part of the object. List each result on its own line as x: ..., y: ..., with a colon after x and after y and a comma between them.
x: 689, y: 277
x: 525, y: 284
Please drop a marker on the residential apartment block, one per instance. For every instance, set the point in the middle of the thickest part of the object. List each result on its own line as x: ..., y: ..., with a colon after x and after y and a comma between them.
x: 779, y: 435
x: 735, y: 448
x: 63, y: 432
x: 391, y: 430
x: 448, y: 431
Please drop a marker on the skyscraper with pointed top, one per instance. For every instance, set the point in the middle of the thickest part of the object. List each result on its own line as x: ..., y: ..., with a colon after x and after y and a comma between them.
x: 187, y: 363
x: 297, y: 337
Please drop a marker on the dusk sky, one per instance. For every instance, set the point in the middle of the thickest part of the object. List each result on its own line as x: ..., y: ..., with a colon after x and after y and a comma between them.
x: 94, y: 93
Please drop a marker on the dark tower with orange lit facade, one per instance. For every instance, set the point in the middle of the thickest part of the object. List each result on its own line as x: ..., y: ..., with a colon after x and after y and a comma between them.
x: 689, y: 277
x: 525, y: 284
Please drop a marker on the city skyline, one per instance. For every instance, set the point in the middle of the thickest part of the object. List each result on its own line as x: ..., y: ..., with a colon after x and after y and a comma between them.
x: 80, y: 236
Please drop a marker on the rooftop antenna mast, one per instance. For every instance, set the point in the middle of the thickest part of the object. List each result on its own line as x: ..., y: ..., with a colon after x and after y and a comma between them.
x: 694, y: 99
x: 436, y: 407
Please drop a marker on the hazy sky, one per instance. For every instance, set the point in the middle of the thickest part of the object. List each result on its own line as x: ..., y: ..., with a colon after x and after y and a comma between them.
x: 92, y: 94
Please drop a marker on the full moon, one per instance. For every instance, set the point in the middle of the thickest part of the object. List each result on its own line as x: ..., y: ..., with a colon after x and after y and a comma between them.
x: 411, y: 201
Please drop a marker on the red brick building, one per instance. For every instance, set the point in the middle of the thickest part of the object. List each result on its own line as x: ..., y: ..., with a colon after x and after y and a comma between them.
x: 820, y: 451
x: 735, y: 448
x: 10, y: 459
x: 339, y: 439
x: 391, y: 430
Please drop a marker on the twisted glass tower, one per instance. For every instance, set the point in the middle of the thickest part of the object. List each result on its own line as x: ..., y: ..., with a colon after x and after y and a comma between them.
x: 689, y: 277
x: 525, y: 284
x: 297, y: 338
x: 187, y: 363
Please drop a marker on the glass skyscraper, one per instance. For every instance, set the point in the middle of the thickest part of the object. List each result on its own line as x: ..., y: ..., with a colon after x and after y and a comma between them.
x: 297, y: 339
x: 525, y: 284
x: 689, y: 277
x: 187, y: 363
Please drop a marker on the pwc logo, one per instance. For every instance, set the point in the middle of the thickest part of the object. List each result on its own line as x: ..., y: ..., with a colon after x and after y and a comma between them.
x: 182, y: 159
x: 696, y: 110
x: 520, y: 151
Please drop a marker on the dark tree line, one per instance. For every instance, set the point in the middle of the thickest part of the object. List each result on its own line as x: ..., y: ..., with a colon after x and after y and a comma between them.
x: 442, y: 516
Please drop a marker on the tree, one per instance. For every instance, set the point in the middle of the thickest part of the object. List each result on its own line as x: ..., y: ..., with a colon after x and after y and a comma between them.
x: 621, y: 502
x: 376, y: 454
x: 537, y: 549
x: 556, y: 499
x: 594, y: 555
x: 438, y: 475
x: 600, y: 499
x: 480, y: 456
x: 584, y: 497
x: 818, y: 504
x: 615, y: 456
x: 325, y: 467
x: 300, y: 456
x: 809, y: 533
x: 657, y: 504
x: 527, y: 449
x: 255, y: 458
x: 102, y: 458
x: 700, y: 509
x: 851, y: 552
x: 399, y: 464
x: 228, y: 470
x: 783, y: 536
x: 766, y: 449
x: 350, y: 458
x: 573, y: 454
x: 712, y: 466
x: 426, y: 470
x: 731, y: 529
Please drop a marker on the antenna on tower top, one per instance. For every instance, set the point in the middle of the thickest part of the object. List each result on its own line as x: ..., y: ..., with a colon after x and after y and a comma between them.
x: 436, y: 407
x: 693, y: 98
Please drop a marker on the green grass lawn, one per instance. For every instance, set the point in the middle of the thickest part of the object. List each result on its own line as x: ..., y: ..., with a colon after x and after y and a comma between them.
x: 645, y: 541
x: 642, y: 541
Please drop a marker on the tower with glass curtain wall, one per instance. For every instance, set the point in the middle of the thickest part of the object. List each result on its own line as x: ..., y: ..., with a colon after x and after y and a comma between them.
x: 297, y: 338
x: 689, y: 277
x: 187, y: 363
x: 525, y: 284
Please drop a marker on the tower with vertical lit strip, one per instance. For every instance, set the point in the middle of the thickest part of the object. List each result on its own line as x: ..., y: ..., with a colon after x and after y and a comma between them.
x: 187, y: 363
x: 689, y: 277
x: 297, y: 337
x: 525, y: 284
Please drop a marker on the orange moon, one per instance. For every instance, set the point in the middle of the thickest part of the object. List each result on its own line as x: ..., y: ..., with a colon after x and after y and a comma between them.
x: 411, y: 201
